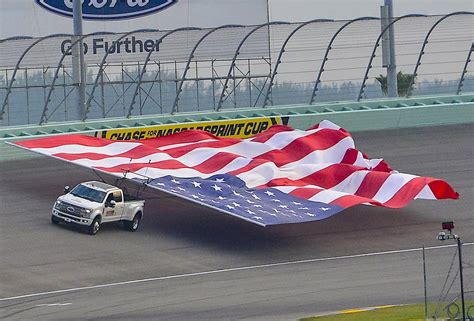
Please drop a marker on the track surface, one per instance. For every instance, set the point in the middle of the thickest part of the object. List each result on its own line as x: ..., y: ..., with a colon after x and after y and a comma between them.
x: 178, y: 238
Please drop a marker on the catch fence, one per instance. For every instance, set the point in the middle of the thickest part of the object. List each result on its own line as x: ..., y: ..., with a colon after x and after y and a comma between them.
x: 148, y: 72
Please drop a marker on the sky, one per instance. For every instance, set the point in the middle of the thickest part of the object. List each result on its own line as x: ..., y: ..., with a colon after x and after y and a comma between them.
x: 302, y: 10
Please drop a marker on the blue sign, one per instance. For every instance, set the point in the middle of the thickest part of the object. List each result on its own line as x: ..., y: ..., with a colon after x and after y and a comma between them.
x: 107, y: 9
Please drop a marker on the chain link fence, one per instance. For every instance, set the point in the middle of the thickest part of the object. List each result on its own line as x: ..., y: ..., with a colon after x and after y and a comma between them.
x: 160, y: 72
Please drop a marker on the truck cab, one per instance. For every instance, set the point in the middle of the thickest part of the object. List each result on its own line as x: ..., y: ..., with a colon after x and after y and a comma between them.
x: 91, y: 204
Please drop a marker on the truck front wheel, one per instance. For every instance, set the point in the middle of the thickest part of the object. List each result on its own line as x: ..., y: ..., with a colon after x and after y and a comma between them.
x: 132, y: 226
x: 95, y: 226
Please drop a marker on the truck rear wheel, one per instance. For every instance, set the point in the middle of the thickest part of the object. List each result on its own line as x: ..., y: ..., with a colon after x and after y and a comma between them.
x: 94, y: 227
x: 132, y: 226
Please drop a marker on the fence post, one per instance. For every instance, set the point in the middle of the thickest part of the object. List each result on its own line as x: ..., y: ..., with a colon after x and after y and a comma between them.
x: 424, y: 284
x: 464, y: 71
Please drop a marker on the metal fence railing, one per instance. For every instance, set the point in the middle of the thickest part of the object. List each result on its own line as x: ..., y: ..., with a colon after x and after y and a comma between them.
x: 191, y: 69
x: 442, y: 283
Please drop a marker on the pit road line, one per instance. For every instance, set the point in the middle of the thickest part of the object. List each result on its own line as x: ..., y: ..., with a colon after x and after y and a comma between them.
x: 254, y: 267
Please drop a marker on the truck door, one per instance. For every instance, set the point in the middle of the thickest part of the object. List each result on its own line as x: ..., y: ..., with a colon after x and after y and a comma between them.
x: 113, y: 213
x: 119, y: 204
x: 109, y: 211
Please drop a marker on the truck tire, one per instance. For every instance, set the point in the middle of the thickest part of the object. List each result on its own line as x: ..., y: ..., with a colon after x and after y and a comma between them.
x: 132, y: 226
x: 94, y: 227
x: 54, y: 220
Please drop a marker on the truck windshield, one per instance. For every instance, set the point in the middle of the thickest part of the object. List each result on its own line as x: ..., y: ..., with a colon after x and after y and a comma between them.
x: 88, y: 193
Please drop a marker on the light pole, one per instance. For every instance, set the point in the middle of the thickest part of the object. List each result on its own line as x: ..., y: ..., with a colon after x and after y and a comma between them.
x: 442, y: 236
x: 388, y: 48
x: 79, y: 72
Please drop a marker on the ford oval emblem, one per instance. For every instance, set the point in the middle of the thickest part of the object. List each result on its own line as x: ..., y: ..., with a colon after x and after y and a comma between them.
x: 107, y: 9
x: 70, y: 209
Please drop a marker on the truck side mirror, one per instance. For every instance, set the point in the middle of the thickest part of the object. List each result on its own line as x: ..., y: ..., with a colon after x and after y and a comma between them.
x: 66, y: 189
x: 112, y: 203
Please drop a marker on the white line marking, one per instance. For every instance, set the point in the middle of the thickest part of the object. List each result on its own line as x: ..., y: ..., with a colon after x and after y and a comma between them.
x: 53, y: 304
x: 243, y: 268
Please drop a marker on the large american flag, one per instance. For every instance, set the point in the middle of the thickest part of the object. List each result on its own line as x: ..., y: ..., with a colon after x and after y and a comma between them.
x: 282, y: 175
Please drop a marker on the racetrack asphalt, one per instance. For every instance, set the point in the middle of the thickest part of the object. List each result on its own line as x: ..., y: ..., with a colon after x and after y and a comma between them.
x: 180, y: 239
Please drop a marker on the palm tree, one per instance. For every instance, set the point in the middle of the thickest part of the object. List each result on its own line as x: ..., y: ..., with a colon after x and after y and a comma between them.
x: 403, y: 81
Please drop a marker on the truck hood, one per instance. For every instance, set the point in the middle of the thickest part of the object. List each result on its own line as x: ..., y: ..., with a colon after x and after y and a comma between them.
x: 77, y: 201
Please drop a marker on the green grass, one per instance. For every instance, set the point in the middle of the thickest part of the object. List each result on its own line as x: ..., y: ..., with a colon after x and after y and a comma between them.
x: 401, y: 313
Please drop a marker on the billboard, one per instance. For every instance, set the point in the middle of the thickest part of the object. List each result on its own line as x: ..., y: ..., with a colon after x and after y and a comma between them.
x: 44, y: 17
x: 48, y: 17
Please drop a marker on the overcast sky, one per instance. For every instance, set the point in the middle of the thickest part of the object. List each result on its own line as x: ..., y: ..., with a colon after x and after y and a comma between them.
x: 301, y: 10
x: 23, y: 17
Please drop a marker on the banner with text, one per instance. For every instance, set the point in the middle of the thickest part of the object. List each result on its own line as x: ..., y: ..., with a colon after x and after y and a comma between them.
x: 234, y: 128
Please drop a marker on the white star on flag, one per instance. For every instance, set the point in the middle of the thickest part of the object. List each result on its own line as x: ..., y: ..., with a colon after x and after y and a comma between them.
x: 216, y: 188
x: 196, y: 184
x: 269, y: 193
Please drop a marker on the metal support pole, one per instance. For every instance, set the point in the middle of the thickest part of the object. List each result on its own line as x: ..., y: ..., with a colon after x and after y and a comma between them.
x: 463, y: 303
x: 17, y: 66
x: 392, y: 84
x: 78, y: 70
x: 102, y: 66
x: 142, y: 72
x: 27, y: 97
x: 56, y: 74
x: 425, y: 42
x: 280, y: 54
x: 236, y: 54
x: 377, y: 43
x: 326, y: 54
x: 464, y: 71
x: 188, y: 63
x: 424, y: 284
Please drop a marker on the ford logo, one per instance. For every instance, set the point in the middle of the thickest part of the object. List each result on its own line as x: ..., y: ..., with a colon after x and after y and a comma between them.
x: 70, y: 209
x: 107, y: 9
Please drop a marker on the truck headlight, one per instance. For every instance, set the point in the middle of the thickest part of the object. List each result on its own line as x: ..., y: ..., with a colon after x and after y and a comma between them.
x: 86, y: 213
x: 57, y: 203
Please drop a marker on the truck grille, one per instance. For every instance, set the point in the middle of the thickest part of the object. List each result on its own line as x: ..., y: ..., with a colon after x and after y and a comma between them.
x: 71, y: 209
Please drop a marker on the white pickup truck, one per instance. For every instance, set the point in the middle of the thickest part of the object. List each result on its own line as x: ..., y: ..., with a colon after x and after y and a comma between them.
x: 90, y: 204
